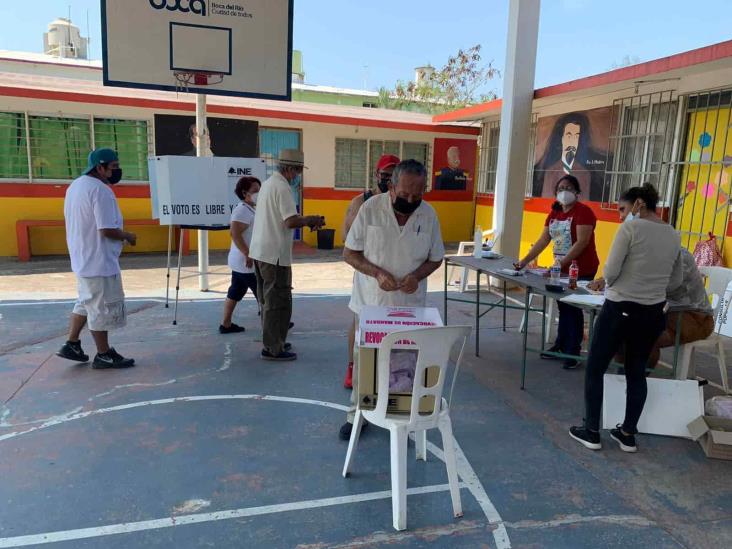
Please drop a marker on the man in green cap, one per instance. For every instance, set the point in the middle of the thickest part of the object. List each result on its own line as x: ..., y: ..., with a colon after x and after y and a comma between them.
x: 95, y: 238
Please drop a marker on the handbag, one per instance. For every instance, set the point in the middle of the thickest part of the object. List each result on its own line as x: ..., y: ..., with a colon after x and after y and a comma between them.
x: 707, y: 254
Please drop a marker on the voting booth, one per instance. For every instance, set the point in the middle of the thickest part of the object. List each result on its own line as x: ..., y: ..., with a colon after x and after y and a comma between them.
x: 375, y: 323
x: 189, y: 190
x: 196, y: 193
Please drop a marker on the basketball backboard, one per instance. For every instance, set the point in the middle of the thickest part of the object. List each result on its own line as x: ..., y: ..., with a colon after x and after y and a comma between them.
x: 249, y: 42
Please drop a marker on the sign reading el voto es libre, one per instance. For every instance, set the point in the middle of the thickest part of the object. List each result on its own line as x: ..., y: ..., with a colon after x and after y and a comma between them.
x: 248, y: 41
x: 189, y: 190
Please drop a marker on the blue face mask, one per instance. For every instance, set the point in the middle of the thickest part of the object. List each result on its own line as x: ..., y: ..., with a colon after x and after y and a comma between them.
x: 295, y: 183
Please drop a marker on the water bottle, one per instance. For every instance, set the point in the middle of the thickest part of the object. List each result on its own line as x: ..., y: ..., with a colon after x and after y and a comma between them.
x: 573, y: 274
x: 478, y: 242
x: 556, y: 272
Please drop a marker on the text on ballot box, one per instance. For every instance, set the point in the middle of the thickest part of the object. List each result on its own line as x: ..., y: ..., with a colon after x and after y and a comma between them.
x: 190, y: 190
x: 373, y: 324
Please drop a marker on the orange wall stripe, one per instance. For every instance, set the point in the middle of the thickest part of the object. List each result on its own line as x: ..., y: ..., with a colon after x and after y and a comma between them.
x: 158, y: 104
x: 58, y: 190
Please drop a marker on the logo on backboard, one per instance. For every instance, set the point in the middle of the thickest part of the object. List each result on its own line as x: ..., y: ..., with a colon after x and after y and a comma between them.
x: 197, y: 7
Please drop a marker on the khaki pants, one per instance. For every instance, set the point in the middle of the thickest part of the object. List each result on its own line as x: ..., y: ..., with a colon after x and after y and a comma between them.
x: 274, y: 290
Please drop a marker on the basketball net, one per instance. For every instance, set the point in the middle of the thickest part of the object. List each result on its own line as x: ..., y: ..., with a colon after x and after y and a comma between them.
x: 185, y: 79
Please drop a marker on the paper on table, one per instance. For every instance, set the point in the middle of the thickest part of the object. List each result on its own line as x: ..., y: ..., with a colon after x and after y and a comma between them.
x: 581, y: 299
x: 511, y: 272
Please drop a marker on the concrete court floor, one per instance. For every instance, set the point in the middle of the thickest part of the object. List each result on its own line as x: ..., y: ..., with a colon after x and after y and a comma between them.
x: 178, y: 453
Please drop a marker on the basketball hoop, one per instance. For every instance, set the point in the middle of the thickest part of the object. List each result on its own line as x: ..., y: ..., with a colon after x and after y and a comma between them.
x: 185, y: 79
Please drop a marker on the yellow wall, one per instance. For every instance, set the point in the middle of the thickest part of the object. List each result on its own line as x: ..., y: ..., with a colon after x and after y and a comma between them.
x: 456, y: 218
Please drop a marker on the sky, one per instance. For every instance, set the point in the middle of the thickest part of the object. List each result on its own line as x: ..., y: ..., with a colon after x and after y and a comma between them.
x: 366, y: 45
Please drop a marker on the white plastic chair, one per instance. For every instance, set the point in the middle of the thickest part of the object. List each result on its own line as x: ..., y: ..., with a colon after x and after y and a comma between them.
x: 434, y: 346
x: 466, y: 247
x: 718, y: 278
x: 548, y: 317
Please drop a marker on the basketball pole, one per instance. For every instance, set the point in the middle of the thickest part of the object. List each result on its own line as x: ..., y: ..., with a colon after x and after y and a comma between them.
x: 201, y: 150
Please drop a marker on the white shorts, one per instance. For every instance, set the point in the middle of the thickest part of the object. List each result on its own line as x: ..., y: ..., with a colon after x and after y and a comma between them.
x: 102, y: 301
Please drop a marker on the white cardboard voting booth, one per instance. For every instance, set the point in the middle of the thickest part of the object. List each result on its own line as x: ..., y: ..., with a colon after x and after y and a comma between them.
x: 670, y: 406
x: 189, y: 190
x: 375, y: 323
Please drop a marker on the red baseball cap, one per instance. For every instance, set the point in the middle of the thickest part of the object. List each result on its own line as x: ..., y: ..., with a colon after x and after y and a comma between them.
x: 387, y: 161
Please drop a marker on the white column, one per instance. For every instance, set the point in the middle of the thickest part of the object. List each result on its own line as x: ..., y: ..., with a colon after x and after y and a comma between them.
x: 513, y: 144
x: 202, y: 150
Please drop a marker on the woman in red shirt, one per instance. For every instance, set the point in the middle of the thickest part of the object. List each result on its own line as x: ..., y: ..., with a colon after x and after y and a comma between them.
x: 571, y: 227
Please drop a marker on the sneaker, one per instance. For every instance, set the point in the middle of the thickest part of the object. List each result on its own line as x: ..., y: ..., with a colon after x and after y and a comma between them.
x: 588, y: 439
x: 552, y: 349
x: 345, y: 431
x: 284, y: 356
x: 348, y: 382
x: 111, y: 359
x: 233, y: 329
x: 570, y: 364
x: 626, y: 442
x: 71, y: 350
x: 287, y: 346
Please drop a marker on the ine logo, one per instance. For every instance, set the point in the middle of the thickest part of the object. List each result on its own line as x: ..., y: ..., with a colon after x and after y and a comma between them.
x: 239, y: 171
x: 197, y: 7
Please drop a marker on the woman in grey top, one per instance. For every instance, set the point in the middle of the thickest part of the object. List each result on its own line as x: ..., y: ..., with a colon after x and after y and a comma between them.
x: 644, y: 263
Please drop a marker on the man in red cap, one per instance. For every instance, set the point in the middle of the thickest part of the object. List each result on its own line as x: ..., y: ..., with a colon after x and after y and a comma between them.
x: 384, y: 168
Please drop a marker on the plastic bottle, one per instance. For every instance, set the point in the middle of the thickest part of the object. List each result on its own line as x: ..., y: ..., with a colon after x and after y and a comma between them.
x: 556, y: 272
x: 478, y: 242
x: 573, y: 274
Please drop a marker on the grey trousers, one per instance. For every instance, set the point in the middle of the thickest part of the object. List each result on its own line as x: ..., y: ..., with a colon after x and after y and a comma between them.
x: 274, y: 290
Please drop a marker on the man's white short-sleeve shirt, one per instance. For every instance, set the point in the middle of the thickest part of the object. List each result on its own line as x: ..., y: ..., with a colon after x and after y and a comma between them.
x: 271, y: 240
x: 89, y: 206
x: 398, y: 250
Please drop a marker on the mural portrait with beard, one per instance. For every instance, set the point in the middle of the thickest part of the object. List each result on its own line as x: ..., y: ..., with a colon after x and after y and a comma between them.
x: 577, y: 144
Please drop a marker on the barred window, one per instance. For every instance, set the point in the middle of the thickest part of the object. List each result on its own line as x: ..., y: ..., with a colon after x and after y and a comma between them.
x: 130, y: 139
x: 59, y: 146
x: 351, y: 163
x: 489, y: 135
x: 13, y: 146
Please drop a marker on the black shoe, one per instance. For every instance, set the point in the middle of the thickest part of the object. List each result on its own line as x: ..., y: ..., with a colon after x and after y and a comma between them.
x: 233, y: 329
x: 111, y: 359
x: 588, y: 439
x: 287, y: 346
x: 626, y: 442
x: 284, y: 356
x: 570, y: 364
x: 291, y: 326
x: 71, y: 350
x: 552, y: 349
x: 345, y: 431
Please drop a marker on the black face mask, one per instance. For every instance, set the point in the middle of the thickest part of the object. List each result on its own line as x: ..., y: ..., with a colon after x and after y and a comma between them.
x: 401, y: 206
x: 383, y: 184
x: 116, y: 176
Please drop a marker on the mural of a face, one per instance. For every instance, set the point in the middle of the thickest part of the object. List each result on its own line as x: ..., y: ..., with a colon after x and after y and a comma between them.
x: 453, y: 157
x: 570, y: 142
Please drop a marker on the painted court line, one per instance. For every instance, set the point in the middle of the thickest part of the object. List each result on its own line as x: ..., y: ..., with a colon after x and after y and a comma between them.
x: 465, y: 472
x: 198, y: 518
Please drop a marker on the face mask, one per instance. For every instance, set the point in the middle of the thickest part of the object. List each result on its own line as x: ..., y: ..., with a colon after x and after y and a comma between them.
x: 116, y: 176
x: 401, y: 206
x: 383, y: 184
x: 295, y: 183
x: 631, y: 216
x: 253, y: 197
x: 565, y: 198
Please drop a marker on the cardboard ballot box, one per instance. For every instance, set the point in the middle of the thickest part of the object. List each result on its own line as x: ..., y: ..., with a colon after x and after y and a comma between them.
x: 376, y: 322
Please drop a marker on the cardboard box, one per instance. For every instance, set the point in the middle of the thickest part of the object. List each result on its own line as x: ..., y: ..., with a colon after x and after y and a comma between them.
x: 374, y: 324
x: 714, y: 435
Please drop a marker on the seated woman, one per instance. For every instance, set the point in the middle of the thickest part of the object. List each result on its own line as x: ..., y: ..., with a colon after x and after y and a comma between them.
x: 644, y: 262
x: 571, y: 226
x: 697, y: 319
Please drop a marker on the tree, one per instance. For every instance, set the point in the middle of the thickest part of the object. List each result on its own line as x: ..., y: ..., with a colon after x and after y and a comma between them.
x: 456, y: 85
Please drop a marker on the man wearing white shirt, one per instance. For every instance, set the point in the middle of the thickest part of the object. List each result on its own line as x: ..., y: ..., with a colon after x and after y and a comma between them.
x: 271, y: 249
x: 95, y: 238
x: 394, y: 244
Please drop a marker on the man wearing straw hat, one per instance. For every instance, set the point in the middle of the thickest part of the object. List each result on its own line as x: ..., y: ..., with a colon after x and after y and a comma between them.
x: 271, y: 249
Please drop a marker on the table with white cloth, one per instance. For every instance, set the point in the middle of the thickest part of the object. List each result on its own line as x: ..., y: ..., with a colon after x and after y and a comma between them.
x: 532, y: 284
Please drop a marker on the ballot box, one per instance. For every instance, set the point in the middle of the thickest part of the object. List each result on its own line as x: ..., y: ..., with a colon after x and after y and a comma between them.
x: 375, y: 323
